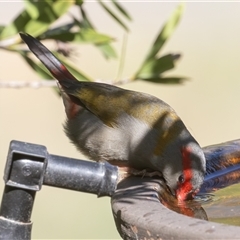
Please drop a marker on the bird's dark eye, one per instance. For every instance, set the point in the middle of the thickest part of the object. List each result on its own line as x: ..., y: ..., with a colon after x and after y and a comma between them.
x: 181, y: 179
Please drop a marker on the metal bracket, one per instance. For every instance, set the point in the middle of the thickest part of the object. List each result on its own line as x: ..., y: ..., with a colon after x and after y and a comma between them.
x: 26, y: 165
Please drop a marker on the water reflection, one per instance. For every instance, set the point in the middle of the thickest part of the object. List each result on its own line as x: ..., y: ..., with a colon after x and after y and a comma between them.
x: 189, y: 208
x: 224, y: 207
x: 222, y: 166
x: 222, y: 174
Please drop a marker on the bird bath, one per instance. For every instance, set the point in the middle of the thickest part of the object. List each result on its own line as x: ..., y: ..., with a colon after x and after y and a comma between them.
x: 141, y: 208
x: 139, y: 214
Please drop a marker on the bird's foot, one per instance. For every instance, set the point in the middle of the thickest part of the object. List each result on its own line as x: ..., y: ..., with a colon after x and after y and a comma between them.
x: 126, y: 171
x: 145, y: 173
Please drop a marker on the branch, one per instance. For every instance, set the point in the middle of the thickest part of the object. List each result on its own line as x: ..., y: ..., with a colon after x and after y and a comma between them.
x: 26, y: 84
x: 51, y: 83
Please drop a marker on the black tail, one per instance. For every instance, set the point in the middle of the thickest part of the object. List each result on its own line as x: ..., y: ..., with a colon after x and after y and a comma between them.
x: 57, y: 69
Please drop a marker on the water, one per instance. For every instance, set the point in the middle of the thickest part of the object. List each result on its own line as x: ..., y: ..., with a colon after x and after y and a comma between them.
x: 219, y: 194
x: 219, y: 197
x: 224, y: 206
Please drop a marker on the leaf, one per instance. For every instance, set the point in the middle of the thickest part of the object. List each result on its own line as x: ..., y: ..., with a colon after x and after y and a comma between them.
x: 148, y: 64
x: 48, y: 12
x: 167, y: 80
x: 153, y: 68
x: 31, y: 9
x: 166, y: 32
x: 113, y: 15
x: 121, y: 9
x: 76, y: 72
x: 86, y: 35
x: 54, y: 31
x: 60, y: 7
x: 83, y: 36
x: 85, y: 23
x: 1, y: 28
x: 107, y: 50
x: 78, y: 2
x: 16, y: 26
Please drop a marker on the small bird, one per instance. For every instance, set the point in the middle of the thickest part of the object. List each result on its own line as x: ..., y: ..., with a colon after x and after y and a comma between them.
x: 130, y: 129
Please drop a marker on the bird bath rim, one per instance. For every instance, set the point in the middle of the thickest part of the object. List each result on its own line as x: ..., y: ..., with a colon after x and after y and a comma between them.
x: 139, y: 214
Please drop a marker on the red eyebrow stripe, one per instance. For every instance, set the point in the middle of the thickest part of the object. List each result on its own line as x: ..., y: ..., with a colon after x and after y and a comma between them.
x: 187, y: 171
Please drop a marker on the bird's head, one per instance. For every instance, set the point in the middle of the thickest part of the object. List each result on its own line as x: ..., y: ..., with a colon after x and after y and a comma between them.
x: 186, y: 180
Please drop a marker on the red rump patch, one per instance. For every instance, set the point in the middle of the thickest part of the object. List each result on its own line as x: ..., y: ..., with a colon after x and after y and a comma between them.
x: 185, y: 187
x: 71, y: 108
x: 73, y: 111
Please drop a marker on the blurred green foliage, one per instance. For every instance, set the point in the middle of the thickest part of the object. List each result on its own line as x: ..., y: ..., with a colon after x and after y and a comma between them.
x: 38, y: 19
